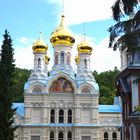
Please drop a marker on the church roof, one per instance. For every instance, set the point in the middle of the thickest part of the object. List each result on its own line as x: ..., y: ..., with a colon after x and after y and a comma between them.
x: 62, y: 35
x: 20, y: 108
x: 125, y: 85
x: 110, y: 109
x: 102, y: 108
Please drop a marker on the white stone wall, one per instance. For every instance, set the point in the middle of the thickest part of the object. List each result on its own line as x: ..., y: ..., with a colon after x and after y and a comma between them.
x: 85, y: 113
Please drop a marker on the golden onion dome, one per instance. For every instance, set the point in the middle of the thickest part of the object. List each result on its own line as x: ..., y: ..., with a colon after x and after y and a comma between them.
x: 47, y: 59
x: 77, y: 59
x: 62, y: 35
x: 84, y: 47
x: 39, y: 46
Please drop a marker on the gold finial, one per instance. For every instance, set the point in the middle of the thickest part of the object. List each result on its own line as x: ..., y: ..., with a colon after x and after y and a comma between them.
x: 77, y: 59
x: 84, y: 28
x: 62, y: 20
x: 40, y: 35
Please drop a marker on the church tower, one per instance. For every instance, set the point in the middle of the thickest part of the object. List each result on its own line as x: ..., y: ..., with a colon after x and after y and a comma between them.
x: 83, y: 60
x: 62, y: 40
x: 41, y: 60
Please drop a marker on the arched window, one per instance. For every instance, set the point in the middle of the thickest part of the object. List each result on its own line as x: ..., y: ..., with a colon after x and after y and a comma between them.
x: 37, y: 90
x: 61, y: 116
x: 60, y: 136
x: 114, y: 136
x: 39, y: 62
x: 68, y: 58
x: 69, y: 116
x: 56, y: 58
x: 85, y: 90
x: 52, y: 136
x: 105, y: 136
x: 69, y: 136
x: 62, y: 58
x: 85, y: 61
x: 52, y: 116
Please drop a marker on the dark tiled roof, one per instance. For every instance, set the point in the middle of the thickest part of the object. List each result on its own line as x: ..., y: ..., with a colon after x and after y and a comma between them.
x: 125, y: 86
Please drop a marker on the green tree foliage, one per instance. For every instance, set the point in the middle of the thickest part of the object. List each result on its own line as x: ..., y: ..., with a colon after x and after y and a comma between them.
x: 6, y: 74
x: 107, y: 85
x: 123, y: 7
x: 19, y: 79
x: 125, y: 34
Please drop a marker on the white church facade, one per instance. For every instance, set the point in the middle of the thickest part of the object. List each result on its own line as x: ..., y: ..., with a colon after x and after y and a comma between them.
x: 63, y: 105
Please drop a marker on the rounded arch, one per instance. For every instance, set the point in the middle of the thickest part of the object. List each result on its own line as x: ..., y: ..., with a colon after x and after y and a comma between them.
x: 52, y: 116
x: 37, y: 90
x: 61, y: 85
x: 39, y: 62
x: 69, y: 136
x: 56, y: 58
x: 68, y: 79
x: 51, y: 135
x: 68, y: 58
x: 34, y: 76
x: 60, y: 136
x: 42, y: 76
x: 105, y: 136
x: 114, y: 136
x: 36, y: 87
x: 87, y: 88
x: 61, y: 116
x: 62, y: 57
x: 69, y: 116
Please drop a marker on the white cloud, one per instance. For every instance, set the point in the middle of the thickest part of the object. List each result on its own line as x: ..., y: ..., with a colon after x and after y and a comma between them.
x: 26, y: 41
x: 79, y: 11
x: 102, y: 57
x: 23, y: 40
x: 24, y: 57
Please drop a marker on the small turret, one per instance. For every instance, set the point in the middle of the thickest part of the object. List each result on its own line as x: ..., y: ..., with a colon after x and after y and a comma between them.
x: 41, y: 60
x: 83, y: 59
x: 39, y: 46
x: 62, y: 40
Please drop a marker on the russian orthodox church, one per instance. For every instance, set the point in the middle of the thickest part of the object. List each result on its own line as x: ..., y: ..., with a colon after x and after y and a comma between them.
x: 62, y: 104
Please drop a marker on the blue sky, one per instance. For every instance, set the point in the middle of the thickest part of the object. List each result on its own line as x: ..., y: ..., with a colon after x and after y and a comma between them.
x: 25, y: 19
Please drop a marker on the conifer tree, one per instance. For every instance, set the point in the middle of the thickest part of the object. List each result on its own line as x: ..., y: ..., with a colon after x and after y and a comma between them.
x: 6, y: 73
x: 125, y: 33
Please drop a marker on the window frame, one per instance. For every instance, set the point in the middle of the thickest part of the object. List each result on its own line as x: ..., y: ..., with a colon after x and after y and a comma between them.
x: 59, y: 136
x: 61, y: 116
x: 105, y: 135
x: 69, y: 116
x: 52, y: 116
x: 52, y: 135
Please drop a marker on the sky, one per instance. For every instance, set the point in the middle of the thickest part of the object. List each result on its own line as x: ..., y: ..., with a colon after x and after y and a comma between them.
x: 25, y: 19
